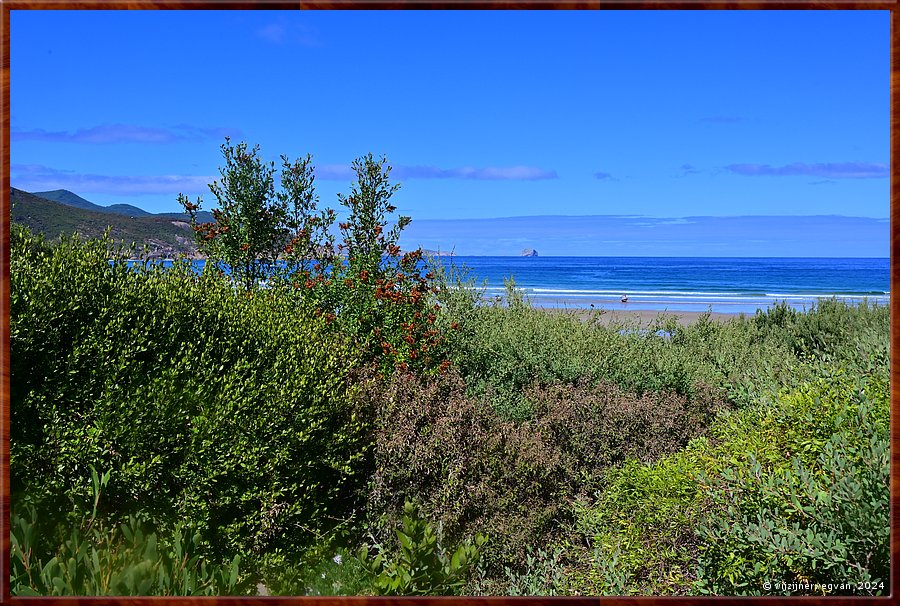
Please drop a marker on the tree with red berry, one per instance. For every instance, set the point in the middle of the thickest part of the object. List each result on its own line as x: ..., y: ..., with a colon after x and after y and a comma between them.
x: 254, y: 226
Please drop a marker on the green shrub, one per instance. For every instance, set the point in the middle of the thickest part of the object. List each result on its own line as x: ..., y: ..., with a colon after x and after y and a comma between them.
x: 235, y: 411
x: 640, y: 528
x: 423, y: 566
x: 542, y: 573
x: 738, y: 357
x: 116, y: 561
x: 342, y: 575
x: 807, y: 469
x: 802, y: 420
x: 97, y: 558
x: 822, y: 519
x: 506, y: 349
x: 336, y: 573
x: 830, y: 328
x: 502, y: 349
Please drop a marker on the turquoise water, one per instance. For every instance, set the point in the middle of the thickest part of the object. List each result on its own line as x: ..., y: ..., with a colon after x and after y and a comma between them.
x: 728, y: 285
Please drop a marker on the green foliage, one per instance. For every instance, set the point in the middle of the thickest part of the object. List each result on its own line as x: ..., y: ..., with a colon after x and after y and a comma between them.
x: 369, y: 204
x: 330, y: 572
x: 824, y: 518
x: 831, y: 329
x: 342, y: 575
x: 604, y: 458
x: 510, y: 347
x: 640, y: 528
x: 504, y: 348
x: 95, y: 558
x: 791, y: 491
x: 235, y: 412
x: 423, y: 566
x: 802, y: 420
x: 253, y: 225
x: 165, y: 235
x: 543, y: 572
x: 308, y: 241
x: 375, y: 295
x: 379, y: 297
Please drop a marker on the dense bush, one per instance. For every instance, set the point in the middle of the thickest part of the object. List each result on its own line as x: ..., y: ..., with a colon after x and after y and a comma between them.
x: 365, y: 289
x: 505, y: 348
x: 96, y: 558
x: 231, y: 410
x: 776, y: 493
x: 288, y: 422
x: 542, y: 573
x: 423, y: 564
x: 819, y: 513
x: 601, y: 425
x: 472, y: 470
x: 830, y: 328
x: 341, y: 574
x: 637, y: 535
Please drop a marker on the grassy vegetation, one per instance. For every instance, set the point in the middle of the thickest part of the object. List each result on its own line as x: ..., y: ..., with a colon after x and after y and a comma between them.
x: 161, y: 234
x: 173, y: 434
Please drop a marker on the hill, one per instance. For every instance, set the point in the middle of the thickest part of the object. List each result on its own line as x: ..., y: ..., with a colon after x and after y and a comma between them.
x: 64, y: 196
x: 166, y: 236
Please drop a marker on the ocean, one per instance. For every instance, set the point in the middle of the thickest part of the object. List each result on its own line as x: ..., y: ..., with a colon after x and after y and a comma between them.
x: 724, y: 285
x: 697, y: 284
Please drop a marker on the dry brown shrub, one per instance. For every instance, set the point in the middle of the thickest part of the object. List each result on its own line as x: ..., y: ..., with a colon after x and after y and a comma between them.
x: 601, y: 425
x: 474, y: 472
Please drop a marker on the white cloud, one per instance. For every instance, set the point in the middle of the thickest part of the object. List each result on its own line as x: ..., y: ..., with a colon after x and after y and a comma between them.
x: 32, y: 177
x: 828, y: 170
x: 489, y: 173
x: 124, y: 133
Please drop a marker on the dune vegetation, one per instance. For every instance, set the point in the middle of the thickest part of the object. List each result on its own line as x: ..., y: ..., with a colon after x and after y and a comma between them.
x: 301, y: 418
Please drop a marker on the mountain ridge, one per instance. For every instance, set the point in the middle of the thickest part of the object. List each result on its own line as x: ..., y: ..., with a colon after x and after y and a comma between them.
x: 64, y: 196
x: 166, y: 236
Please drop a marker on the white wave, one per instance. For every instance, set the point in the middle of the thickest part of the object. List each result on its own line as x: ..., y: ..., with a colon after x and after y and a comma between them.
x: 821, y: 295
x: 680, y: 294
x: 628, y: 292
x: 646, y: 298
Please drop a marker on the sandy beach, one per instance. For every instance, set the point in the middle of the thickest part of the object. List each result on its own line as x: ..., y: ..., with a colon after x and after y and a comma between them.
x: 643, y: 317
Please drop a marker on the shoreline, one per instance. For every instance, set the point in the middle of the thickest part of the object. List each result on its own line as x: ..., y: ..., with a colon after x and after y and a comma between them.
x: 719, y: 309
x: 642, y: 317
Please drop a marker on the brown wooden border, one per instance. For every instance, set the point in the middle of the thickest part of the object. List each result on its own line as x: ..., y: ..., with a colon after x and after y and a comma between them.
x: 7, y: 5
x: 455, y: 4
x: 4, y: 307
x: 895, y: 282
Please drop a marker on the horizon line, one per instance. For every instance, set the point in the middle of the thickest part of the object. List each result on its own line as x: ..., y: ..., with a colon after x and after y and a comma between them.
x: 553, y: 216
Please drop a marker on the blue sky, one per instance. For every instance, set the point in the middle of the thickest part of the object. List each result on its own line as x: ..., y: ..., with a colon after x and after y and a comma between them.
x: 483, y: 114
